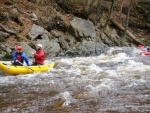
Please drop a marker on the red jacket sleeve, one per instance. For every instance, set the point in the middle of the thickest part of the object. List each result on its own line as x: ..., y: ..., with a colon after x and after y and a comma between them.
x: 39, y: 54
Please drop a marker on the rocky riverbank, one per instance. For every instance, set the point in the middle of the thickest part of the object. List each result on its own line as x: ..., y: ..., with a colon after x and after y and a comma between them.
x: 61, y: 33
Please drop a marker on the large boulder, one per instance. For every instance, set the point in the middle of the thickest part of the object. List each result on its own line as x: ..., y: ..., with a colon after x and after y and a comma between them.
x: 36, y: 32
x: 82, y: 27
x: 27, y: 49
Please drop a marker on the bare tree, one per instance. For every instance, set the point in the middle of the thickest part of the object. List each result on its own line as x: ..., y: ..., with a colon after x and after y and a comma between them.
x: 127, y: 18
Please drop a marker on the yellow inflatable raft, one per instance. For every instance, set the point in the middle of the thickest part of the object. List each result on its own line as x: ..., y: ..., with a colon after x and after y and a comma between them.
x: 16, y: 70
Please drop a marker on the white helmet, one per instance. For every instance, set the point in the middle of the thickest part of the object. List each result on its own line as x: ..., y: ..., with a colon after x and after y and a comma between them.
x: 39, y: 45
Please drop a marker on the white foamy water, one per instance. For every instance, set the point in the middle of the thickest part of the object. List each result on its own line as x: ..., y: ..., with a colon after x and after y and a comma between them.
x: 116, y: 81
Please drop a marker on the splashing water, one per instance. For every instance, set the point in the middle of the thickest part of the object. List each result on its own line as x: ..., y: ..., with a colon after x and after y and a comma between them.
x: 117, y: 81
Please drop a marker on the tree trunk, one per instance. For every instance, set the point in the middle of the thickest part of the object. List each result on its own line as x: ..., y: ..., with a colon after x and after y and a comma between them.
x: 127, y: 18
x: 110, y: 15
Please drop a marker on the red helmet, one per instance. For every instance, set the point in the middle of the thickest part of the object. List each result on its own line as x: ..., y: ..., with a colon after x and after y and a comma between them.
x: 19, y: 48
x: 140, y: 46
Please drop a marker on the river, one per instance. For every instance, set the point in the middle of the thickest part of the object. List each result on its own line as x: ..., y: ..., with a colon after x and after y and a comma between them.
x: 117, y: 81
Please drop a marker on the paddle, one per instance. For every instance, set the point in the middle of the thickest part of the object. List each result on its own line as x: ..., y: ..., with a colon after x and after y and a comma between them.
x: 26, y: 66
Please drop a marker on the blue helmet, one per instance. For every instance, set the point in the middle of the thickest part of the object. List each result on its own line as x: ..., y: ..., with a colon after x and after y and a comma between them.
x: 148, y: 49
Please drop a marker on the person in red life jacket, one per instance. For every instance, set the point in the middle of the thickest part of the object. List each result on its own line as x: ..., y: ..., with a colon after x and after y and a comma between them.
x: 19, y: 57
x: 39, y: 56
x: 146, y: 53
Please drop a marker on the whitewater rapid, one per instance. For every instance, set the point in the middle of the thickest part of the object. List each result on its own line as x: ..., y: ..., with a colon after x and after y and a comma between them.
x: 117, y: 81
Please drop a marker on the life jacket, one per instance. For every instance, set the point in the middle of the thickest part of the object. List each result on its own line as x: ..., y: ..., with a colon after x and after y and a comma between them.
x: 19, y: 58
x: 39, y: 56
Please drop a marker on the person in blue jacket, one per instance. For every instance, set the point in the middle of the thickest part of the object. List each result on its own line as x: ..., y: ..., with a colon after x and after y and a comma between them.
x: 19, y: 57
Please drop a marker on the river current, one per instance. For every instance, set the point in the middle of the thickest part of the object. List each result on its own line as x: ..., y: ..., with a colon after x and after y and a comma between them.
x: 117, y: 81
